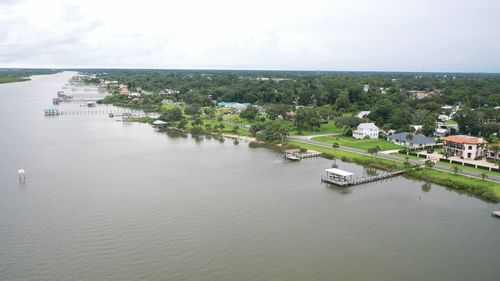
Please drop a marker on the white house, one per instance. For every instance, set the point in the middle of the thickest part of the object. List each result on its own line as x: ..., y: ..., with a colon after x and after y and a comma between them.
x: 366, y: 129
x: 362, y: 114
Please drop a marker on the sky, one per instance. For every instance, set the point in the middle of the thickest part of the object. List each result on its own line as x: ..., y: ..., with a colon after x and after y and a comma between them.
x: 342, y: 35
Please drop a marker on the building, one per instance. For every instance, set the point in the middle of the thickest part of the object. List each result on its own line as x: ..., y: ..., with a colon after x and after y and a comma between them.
x: 417, y: 140
x: 443, y: 118
x: 465, y: 147
x: 362, y: 114
x: 234, y: 105
x: 440, y: 132
x: 366, y: 87
x: 366, y: 129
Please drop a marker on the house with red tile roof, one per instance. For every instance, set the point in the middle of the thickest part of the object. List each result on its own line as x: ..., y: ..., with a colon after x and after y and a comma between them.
x: 465, y: 147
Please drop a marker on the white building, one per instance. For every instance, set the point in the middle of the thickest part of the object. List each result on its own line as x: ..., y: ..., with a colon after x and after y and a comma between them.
x: 366, y: 129
x: 362, y: 114
x: 366, y: 87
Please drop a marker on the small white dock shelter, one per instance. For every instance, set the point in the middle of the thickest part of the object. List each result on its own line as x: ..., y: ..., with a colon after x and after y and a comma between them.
x: 338, y: 175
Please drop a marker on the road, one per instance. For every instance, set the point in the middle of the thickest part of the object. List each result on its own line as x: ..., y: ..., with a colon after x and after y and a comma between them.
x: 437, y: 166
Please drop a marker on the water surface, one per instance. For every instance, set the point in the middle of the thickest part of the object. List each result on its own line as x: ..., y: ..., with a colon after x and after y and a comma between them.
x: 105, y: 200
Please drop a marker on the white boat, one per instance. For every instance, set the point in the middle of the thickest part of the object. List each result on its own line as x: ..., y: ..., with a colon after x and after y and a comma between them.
x: 292, y: 156
x: 91, y: 104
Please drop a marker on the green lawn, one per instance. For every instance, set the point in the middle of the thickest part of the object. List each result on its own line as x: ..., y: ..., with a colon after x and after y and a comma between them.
x: 451, y: 122
x: 479, y: 171
x: 359, y: 143
x: 328, y: 128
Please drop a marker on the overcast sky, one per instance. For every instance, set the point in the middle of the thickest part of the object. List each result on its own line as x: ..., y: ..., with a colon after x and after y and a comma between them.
x: 385, y: 35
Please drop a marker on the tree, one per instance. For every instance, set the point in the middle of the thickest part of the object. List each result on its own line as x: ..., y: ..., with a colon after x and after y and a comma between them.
x: 409, y: 142
x: 335, y: 145
x: 173, y: 114
x: 254, y: 129
x: 446, y: 154
x: 373, y: 150
x: 235, y: 129
x: 221, y: 126
x: 249, y: 113
x: 342, y: 101
x: 429, y: 164
x: 197, y: 122
x: 429, y: 126
x: 193, y: 110
x: 484, y: 175
x: 182, y: 124
x: 456, y: 169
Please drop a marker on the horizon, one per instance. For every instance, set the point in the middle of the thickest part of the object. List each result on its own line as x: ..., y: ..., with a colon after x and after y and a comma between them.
x: 388, y: 36
x: 246, y: 70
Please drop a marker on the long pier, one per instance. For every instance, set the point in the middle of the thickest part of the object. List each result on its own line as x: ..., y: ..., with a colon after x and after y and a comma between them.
x: 357, y: 181
x: 95, y: 111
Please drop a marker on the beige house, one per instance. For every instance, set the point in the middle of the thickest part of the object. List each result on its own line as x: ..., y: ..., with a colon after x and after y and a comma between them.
x: 465, y: 147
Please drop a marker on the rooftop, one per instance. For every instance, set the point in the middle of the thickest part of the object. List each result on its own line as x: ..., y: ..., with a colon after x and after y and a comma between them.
x: 339, y: 172
x: 464, y: 139
x: 367, y: 126
x: 417, y: 138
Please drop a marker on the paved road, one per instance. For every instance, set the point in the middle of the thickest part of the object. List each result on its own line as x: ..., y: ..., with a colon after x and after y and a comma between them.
x: 308, y: 139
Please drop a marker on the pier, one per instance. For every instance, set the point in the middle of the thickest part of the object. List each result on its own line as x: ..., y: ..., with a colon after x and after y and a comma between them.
x: 114, y: 112
x: 344, y: 178
x: 296, y: 154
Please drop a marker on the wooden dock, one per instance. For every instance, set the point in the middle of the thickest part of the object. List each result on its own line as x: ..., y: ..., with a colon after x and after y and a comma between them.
x: 357, y: 181
x: 297, y: 155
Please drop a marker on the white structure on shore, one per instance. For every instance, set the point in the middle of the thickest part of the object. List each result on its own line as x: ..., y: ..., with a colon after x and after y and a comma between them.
x: 366, y: 129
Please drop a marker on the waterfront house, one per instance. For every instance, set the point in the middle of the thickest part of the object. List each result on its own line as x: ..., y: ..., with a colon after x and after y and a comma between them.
x: 418, y: 140
x: 366, y: 129
x: 465, y: 147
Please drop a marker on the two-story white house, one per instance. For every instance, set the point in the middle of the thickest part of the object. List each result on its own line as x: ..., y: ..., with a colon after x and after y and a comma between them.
x: 366, y: 129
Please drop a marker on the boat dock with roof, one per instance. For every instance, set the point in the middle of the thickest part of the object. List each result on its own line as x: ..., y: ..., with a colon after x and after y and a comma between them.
x: 344, y: 178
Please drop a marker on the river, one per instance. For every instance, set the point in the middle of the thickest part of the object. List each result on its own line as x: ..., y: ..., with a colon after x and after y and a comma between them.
x: 106, y: 200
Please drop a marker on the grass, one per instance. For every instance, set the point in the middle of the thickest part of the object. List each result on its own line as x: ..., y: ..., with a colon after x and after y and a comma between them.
x: 468, y: 168
x: 484, y: 189
x: 487, y: 190
x: 359, y: 143
x: 376, y: 162
x: 450, y: 122
x: 327, y: 128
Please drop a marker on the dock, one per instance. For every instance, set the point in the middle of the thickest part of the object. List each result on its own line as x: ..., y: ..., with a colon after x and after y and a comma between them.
x: 296, y: 154
x: 344, y: 178
x: 496, y: 214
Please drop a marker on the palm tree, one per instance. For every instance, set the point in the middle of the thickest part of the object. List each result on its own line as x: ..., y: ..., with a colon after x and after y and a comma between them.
x: 429, y: 164
x: 484, y: 175
x: 456, y: 169
x: 335, y: 145
x: 409, y: 140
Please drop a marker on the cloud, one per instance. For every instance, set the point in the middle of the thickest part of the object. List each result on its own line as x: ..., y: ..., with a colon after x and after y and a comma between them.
x: 318, y: 35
